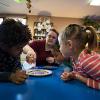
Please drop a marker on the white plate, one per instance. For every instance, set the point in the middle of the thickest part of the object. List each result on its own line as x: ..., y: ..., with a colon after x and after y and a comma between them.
x: 50, y: 67
x: 39, y: 72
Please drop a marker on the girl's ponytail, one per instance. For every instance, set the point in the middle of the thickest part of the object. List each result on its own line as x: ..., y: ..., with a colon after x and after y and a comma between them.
x: 92, y: 37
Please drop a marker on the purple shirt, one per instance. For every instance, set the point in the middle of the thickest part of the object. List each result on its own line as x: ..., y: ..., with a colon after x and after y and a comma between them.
x: 42, y: 54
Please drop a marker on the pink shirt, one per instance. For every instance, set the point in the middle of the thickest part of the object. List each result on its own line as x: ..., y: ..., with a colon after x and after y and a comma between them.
x: 88, y: 65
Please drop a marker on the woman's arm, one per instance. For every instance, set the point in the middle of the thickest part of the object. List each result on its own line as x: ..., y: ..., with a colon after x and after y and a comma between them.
x: 28, y: 50
x: 59, y: 58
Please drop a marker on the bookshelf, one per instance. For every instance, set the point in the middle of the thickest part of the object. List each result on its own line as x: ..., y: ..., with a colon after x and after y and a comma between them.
x: 41, y: 27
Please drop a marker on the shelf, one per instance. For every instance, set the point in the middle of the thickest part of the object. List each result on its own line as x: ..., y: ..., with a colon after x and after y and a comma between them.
x: 41, y: 27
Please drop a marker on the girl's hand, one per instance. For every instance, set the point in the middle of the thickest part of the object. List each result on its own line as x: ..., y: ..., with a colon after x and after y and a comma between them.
x: 18, y: 77
x: 67, y: 76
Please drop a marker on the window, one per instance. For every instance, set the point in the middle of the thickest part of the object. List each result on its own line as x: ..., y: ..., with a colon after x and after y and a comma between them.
x: 94, y: 2
x: 1, y: 20
x: 22, y: 20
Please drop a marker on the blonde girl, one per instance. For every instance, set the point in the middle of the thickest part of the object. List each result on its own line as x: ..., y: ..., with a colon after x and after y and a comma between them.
x: 86, y: 62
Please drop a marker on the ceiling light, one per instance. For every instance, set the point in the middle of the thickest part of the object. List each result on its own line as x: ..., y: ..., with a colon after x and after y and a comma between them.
x: 28, y: 4
x: 94, y: 2
x: 20, y: 1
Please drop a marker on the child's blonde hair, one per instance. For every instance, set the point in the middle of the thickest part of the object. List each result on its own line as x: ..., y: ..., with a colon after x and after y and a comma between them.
x: 82, y: 35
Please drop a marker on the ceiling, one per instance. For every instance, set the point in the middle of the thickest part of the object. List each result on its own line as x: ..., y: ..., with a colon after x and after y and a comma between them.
x: 57, y: 8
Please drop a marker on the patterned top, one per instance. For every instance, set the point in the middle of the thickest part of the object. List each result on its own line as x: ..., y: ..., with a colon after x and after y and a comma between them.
x: 8, y: 64
x: 88, y: 65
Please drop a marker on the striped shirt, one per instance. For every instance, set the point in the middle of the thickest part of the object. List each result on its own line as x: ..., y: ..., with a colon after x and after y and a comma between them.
x: 88, y: 65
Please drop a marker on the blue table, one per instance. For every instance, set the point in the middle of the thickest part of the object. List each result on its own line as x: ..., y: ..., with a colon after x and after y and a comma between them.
x: 48, y: 88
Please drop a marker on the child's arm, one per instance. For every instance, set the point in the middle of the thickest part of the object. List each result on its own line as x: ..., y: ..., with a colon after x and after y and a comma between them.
x: 18, y: 77
x: 88, y: 81
x: 74, y: 75
x: 4, y: 75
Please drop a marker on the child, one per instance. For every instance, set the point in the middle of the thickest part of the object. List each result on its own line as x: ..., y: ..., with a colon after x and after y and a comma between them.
x: 30, y: 62
x: 86, y: 62
x: 13, y: 37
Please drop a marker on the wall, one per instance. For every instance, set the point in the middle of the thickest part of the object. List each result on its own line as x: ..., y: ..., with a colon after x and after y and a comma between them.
x: 59, y: 22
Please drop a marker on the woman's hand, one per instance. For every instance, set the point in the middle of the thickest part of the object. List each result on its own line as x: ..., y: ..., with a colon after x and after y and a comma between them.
x: 18, y: 77
x: 50, y: 59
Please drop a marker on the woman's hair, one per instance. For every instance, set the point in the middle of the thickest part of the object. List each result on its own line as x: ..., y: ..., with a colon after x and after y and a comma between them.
x: 82, y: 35
x: 54, y: 30
x: 13, y: 33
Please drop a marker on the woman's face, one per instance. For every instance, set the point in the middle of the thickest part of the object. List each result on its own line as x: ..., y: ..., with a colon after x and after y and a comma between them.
x: 51, y: 38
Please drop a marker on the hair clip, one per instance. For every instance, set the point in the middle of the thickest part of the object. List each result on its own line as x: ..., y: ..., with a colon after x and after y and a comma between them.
x: 88, y: 31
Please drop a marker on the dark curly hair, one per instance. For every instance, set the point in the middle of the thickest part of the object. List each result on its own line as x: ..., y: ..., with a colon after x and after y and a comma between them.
x: 13, y: 33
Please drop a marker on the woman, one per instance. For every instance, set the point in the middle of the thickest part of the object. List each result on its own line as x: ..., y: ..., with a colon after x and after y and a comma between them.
x: 47, y: 51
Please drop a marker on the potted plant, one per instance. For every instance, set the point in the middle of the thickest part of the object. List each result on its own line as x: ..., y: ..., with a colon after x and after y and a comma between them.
x: 92, y: 21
